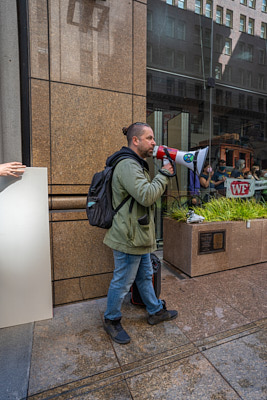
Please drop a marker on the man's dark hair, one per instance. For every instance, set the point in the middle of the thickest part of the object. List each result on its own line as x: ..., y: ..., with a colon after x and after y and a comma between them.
x: 135, y: 129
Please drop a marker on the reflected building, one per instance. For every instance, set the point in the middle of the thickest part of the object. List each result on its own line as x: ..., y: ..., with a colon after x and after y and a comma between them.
x: 208, y: 59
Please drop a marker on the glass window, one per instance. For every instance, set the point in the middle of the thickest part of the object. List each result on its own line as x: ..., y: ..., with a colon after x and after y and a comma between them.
x: 261, y: 56
x: 219, y: 15
x: 250, y: 53
x: 197, y: 34
x: 242, y: 27
x: 169, y: 58
x: 218, y: 71
x: 207, y: 66
x: 170, y: 2
x: 241, y: 76
x: 182, y: 4
x: 261, y: 105
x: 149, y: 20
x: 249, y: 102
x: 170, y: 86
x: 251, y: 23
x: 181, y: 28
x: 244, y: 2
x: 207, y: 37
x: 208, y: 11
x: 198, y: 6
x: 264, y: 6
x: 228, y: 73
x: 261, y: 82
x: 218, y: 43
x: 149, y: 54
x: 228, y: 98
x: 183, y: 66
x: 252, y: 3
x: 197, y: 64
x: 241, y: 50
x: 181, y: 60
x: 218, y: 96
x: 229, y: 18
x: 263, y: 30
x: 249, y: 78
x: 169, y: 27
x: 241, y: 100
x: 228, y: 47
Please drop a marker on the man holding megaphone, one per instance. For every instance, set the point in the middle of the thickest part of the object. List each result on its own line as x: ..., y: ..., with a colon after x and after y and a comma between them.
x: 132, y: 234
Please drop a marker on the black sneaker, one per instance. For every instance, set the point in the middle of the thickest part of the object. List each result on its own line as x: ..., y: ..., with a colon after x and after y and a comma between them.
x: 162, y: 315
x: 116, y: 331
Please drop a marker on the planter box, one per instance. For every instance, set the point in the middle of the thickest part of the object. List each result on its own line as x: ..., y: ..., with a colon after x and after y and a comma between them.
x: 199, y: 249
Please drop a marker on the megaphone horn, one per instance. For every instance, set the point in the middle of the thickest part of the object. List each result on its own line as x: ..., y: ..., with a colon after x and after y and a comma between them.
x: 193, y: 160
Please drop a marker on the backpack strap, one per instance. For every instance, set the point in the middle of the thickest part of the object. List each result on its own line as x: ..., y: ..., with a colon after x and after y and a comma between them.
x: 127, y: 197
x: 123, y: 202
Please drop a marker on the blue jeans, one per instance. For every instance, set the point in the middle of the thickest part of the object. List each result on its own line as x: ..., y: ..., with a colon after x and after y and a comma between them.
x: 129, y: 267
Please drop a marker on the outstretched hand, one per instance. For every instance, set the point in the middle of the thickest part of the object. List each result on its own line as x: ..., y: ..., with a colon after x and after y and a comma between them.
x: 15, y: 169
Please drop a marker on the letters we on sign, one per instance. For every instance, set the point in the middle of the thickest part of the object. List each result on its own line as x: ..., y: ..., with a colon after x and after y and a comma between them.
x: 239, y: 187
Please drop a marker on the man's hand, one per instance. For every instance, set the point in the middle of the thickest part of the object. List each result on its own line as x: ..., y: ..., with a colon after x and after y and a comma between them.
x: 15, y: 169
x: 168, y: 168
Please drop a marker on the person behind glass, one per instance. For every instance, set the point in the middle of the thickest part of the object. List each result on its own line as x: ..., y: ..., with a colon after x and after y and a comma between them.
x: 263, y: 177
x: 237, y: 172
x: 207, y: 185
x: 220, y: 177
x: 15, y: 169
x: 132, y: 234
x: 255, y: 172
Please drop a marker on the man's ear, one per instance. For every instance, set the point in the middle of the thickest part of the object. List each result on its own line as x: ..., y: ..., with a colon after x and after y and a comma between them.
x: 135, y: 140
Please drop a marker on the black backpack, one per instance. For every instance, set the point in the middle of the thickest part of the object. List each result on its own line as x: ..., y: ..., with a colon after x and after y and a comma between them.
x: 99, y: 209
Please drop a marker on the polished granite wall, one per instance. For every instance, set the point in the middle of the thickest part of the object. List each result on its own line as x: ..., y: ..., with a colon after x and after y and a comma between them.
x: 88, y: 80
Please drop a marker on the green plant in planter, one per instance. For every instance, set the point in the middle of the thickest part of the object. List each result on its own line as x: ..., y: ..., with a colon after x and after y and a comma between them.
x: 223, y: 209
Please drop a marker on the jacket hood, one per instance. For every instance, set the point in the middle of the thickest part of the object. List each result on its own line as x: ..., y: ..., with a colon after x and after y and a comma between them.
x: 126, y: 152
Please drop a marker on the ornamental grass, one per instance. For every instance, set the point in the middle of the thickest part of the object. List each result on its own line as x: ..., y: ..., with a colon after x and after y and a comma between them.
x: 223, y: 209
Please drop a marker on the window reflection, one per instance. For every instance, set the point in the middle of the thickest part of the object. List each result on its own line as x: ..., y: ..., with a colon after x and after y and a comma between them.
x: 206, y: 80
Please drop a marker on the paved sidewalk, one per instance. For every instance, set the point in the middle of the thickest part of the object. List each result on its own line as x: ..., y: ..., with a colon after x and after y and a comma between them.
x: 215, y: 350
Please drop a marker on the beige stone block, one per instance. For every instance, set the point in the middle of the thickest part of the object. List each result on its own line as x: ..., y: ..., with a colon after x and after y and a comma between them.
x: 245, y: 243
x: 40, y: 125
x: 91, y: 43
x: 78, y: 250
x: 67, y: 215
x: 86, y: 128
x: 139, y: 109
x: 69, y: 189
x: 95, y: 286
x: 38, y: 34
x: 139, y: 49
x: 243, y: 246
x: 67, y: 291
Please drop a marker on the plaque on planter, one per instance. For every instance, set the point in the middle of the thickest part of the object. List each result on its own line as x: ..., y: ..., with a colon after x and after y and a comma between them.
x: 211, y: 242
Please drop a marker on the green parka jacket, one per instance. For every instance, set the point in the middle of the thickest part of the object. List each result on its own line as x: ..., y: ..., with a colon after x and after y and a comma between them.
x: 126, y: 234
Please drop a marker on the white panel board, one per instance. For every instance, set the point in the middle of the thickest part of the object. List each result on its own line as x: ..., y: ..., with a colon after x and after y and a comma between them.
x: 25, y: 266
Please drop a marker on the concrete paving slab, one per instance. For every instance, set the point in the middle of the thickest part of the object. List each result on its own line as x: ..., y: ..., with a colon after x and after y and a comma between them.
x: 243, y: 364
x: 192, y: 378
x: 246, y: 297
x: 15, y: 359
x: 201, y: 312
x: 71, y: 346
x: 146, y: 340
